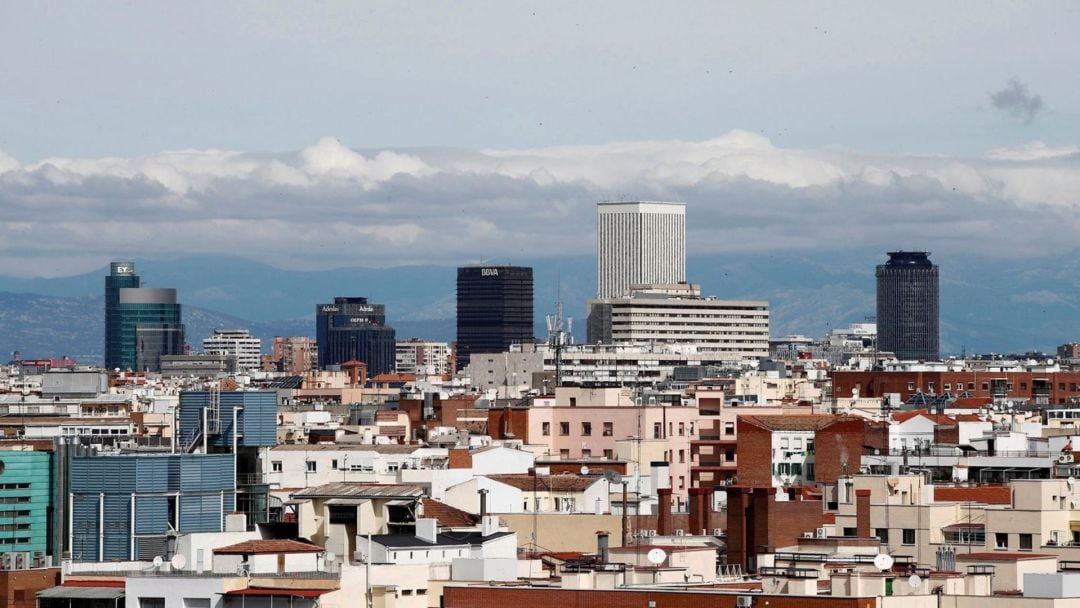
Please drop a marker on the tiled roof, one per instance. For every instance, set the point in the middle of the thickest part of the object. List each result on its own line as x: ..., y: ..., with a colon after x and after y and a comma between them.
x: 362, y: 490
x: 564, y: 482
x: 936, y: 418
x: 970, y: 402
x: 990, y: 495
x: 264, y: 546
x: 803, y: 422
x: 450, y: 517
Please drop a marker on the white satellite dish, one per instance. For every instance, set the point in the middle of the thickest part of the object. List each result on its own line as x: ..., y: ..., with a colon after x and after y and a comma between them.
x: 915, y: 581
x: 178, y: 561
x: 158, y: 561
x: 656, y: 556
x: 883, y: 561
x: 584, y: 470
x: 330, y: 557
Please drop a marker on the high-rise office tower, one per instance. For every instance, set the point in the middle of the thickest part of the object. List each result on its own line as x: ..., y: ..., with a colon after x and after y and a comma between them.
x: 639, y: 243
x: 907, y: 306
x: 141, y: 323
x: 494, y: 309
x: 354, y: 329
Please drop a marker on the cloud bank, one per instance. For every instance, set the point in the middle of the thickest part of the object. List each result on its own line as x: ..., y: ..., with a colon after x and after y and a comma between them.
x: 330, y: 205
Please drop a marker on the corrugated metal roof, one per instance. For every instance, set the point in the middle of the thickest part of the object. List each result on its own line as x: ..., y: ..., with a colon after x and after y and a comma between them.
x: 361, y: 490
x: 82, y: 593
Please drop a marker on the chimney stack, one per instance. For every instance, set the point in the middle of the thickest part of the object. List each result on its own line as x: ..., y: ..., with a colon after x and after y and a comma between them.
x: 862, y: 513
x: 483, y: 503
x: 695, y: 512
x: 663, y: 521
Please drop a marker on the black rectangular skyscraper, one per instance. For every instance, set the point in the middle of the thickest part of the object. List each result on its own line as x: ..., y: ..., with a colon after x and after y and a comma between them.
x: 907, y: 306
x: 494, y: 309
x: 354, y: 329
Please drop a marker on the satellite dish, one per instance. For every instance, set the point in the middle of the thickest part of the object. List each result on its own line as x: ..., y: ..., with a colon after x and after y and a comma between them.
x: 178, y: 561
x: 915, y: 581
x: 330, y: 556
x: 883, y: 561
x: 158, y: 561
x: 612, y: 476
x: 656, y: 556
x: 584, y: 470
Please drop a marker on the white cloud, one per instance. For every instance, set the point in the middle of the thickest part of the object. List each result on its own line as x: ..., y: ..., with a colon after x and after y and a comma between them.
x: 331, y: 205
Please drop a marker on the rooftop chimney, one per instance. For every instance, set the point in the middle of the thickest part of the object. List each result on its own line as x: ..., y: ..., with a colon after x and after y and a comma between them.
x: 862, y: 513
x: 427, y: 530
x: 483, y: 503
x: 663, y: 520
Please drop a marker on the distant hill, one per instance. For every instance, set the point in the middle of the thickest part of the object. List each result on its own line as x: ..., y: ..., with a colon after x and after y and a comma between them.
x: 987, y: 305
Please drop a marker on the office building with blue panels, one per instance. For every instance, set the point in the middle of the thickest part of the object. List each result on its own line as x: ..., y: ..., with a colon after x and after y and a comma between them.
x: 26, y: 490
x: 141, y: 323
x: 123, y: 507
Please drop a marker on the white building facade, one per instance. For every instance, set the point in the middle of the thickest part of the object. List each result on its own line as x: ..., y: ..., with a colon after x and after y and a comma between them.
x: 639, y: 243
x: 238, y: 343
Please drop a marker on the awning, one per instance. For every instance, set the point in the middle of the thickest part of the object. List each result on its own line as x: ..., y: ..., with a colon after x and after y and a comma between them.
x: 1074, y: 526
x: 265, y: 592
x: 352, y: 502
x: 82, y: 593
x: 964, y: 526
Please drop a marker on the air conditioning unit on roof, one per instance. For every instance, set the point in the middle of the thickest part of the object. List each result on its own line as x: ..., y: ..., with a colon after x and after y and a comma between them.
x: 819, y: 533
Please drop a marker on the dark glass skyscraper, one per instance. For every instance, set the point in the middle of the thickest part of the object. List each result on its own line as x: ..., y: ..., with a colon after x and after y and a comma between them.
x: 907, y: 306
x: 141, y: 323
x: 351, y: 328
x: 494, y: 309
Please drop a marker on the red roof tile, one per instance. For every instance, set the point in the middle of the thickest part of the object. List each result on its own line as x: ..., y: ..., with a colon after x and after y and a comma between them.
x: 261, y: 547
x: 450, y: 517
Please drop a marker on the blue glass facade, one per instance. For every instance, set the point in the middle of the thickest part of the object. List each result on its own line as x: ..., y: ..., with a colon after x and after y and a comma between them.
x: 257, y: 421
x: 353, y: 329
x: 122, y: 507
x: 141, y: 324
x: 26, y: 490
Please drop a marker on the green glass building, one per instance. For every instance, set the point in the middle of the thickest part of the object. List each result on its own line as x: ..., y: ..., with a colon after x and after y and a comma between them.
x: 141, y: 323
x: 26, y: 490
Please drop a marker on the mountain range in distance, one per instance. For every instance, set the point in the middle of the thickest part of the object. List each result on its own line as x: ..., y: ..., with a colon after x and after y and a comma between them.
x: 987, y: 305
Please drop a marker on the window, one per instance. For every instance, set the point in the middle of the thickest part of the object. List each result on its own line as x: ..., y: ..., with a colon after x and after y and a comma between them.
x: 586, y: 428
x: 657, y: 430
x: 882, y: 534
x: 682, y: 429
x: 965, y: 536
x: 564, y: 428
x: 909, y: 536
x: 564, y: 454
x: 333, y: 464
x: 609, y: 454
x: 729, y: 454
x: 1001, y: 540
x: 682, y: 455
x: 796, y: 468
x: 573, y: 401
x: 311, y: 464
x: 851, y: 532
x: 784, y: 443
x: 1023, y: 386
x: 910, y: 386
x: 729, y: 428
x: 609, y: 429
x: 545, y: 429
x: 586, y: 453
x: 151, y: 602
x: 1025, y: 542
x: 275, y: 466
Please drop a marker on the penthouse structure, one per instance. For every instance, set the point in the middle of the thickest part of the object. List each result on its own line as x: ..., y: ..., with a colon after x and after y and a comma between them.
x: 639, y: 243
x: 238, y: 343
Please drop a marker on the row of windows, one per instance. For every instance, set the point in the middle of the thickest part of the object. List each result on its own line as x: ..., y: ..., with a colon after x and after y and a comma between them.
x: 14, y: 486
x: 609, y: 429
x: 961, y: 537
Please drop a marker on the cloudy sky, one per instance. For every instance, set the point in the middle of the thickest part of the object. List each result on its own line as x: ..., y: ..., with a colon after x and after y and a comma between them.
x: 312, y: 134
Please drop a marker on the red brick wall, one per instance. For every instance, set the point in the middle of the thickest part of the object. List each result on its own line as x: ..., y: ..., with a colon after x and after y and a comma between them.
x: 837, y: 445
x: 947, y: 434
x: 509, y: 420
x: 500, y: 597
x: 753, y: 454
x: 755, y: 520
x: 18, y: 588
x: 877, y: 384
